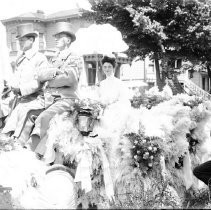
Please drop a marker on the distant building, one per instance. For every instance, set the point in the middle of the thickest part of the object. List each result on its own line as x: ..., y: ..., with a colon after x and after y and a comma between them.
x: 141, y: 73
x: 44, y: 25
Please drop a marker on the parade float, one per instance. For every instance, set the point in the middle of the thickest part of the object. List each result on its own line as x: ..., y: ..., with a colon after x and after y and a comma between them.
x: 138, y: 156
x: 146, y: 163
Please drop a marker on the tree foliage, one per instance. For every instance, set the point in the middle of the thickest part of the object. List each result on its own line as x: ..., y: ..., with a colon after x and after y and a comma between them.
x: 162, y: 29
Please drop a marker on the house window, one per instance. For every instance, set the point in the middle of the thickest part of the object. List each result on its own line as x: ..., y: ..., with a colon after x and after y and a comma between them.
x: 190, y: 73
x: 151, y: 68
x: 13, y: 42
x: 91, y: 74
x: 203, y: 83
x: 41, y: 41
x: 178, y: 63
x: 171, y: 63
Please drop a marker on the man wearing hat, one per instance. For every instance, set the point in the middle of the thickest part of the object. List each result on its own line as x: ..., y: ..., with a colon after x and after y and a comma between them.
x: 26, y: 87
x: 61, y: 84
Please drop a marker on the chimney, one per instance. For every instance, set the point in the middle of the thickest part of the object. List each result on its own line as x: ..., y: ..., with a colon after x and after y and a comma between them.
x: 40, y: 12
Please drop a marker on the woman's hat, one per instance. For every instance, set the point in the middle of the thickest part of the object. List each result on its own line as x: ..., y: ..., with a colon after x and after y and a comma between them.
x: 26, y: 30
x: 65, y: 27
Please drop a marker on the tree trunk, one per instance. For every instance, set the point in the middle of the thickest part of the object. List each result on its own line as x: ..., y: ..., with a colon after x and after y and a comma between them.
x: 209, y: 73
x: 159, y: 80
x: 209, y: 70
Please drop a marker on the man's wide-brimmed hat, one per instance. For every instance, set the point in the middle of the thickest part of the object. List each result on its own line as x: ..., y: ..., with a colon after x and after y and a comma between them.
x: 65, y: 27
x: 26, y: 29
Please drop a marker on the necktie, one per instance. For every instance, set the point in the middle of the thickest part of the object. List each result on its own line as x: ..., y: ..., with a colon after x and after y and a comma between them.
x: 20, y: 59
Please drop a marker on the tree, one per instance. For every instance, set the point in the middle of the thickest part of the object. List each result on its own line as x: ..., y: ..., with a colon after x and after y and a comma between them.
x: 162, y: 29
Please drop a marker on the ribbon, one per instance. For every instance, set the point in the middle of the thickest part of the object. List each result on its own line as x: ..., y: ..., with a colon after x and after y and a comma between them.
x: 187, y: 171
x: 84, y: 166
x: 163, y: 167
x: 83, y: 171
x: 107, y: 176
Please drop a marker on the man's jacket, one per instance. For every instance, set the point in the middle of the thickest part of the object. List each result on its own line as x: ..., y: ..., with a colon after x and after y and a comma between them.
x: 27, y: 67
x: 62, y: 76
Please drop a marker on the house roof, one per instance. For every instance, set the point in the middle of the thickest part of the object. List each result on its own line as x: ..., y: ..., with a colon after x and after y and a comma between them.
x: 40, y: 16
x: 65, y: 14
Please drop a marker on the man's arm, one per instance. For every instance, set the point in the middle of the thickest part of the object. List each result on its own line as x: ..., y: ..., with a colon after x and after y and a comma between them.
x: 34, y: 85
x: 46, y: 74
x: 68, y: 76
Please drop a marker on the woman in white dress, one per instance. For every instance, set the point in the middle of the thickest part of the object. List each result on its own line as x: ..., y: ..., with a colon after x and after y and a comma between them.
x: 115, y: 96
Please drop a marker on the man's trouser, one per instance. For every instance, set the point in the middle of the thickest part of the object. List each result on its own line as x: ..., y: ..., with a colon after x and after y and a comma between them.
x: 203, y: 172
x: 29, y: 125
x: 39, y: 133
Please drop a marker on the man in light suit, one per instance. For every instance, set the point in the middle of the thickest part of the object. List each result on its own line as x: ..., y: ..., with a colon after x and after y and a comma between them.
x: 27, y: 87
x: 61, y: 85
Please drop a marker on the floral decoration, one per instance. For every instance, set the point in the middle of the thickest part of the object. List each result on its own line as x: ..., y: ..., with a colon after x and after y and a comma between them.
x: 151, y: 98
x: 145, y: 151
x: 193, y: 102
x: 146, y: 100
x: 192, y: 142
x: 179, y: 163
x: 95, y: 107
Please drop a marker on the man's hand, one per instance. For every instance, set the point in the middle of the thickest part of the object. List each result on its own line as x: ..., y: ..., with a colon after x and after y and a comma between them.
x: 59, y: 71
x: 16, y: 91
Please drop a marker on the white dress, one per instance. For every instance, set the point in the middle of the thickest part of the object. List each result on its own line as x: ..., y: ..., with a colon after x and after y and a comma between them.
x: 115, y: 95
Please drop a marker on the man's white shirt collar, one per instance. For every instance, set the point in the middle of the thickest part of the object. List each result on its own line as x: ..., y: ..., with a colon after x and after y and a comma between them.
x: 30, y: 53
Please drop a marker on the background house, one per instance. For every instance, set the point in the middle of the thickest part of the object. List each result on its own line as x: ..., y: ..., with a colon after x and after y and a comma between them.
x: 44, y: 25
x: 143, y: 73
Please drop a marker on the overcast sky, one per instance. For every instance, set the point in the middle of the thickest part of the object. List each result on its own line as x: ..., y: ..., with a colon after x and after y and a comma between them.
x: 12, y: 8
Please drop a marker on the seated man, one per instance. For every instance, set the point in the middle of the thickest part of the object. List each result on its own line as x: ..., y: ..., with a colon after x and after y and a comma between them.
x: 27, y: 88
x: 61, y: 85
